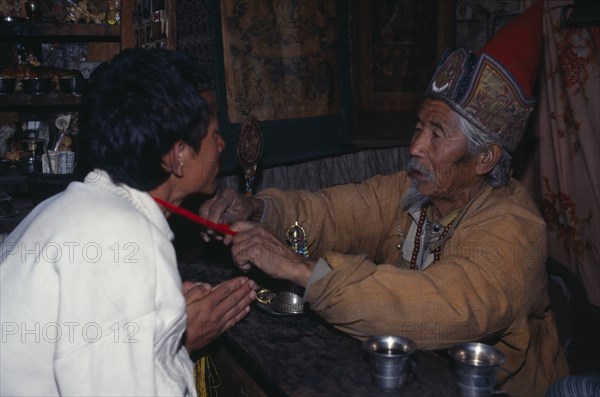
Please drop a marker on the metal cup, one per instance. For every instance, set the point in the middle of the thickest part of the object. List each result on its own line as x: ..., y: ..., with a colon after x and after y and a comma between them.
x: 391, y: 361
x: 476, y: 366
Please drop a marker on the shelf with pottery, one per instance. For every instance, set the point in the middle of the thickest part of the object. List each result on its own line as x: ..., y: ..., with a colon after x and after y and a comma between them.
x: 16, y: 101
x: 52, y: 32
x: 103, y: 41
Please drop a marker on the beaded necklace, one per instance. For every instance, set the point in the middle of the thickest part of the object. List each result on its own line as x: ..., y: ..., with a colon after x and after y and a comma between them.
x: 438, y: 249
x: 417, y: 244
x: 415, y: 253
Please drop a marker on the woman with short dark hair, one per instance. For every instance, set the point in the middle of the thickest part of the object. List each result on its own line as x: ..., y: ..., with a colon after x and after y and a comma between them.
x: 91, y: 300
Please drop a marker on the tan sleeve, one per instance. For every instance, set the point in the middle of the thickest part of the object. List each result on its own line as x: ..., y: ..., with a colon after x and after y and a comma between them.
x: 347, y: 218
x: 490, y: 277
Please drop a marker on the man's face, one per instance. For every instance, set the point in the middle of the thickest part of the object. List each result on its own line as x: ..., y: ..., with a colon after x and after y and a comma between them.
x: 207, y: 159
x: 204, y: 165
x: 440, y: 167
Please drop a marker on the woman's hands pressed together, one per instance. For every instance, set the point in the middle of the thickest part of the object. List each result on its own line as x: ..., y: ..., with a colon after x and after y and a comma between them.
x: 213, y: 310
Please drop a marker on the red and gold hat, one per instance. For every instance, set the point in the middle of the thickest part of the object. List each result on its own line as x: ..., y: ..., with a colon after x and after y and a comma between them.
x: 493, y: 89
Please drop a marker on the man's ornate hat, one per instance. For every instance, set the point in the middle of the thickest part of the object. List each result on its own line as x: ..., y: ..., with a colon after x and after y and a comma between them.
x: 493, y: 89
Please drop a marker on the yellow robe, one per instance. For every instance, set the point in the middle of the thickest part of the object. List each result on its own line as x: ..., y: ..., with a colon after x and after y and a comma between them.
x: 489, y: 285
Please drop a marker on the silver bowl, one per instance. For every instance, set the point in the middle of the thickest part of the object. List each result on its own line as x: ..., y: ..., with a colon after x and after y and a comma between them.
x: 288, y: 302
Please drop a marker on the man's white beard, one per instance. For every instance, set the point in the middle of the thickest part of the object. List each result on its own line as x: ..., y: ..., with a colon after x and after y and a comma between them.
x: 413, y: 198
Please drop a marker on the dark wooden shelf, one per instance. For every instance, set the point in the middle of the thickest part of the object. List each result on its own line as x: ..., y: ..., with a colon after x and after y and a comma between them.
x: 18, y: 101
x: 48, y: 32
x: 52, y: 32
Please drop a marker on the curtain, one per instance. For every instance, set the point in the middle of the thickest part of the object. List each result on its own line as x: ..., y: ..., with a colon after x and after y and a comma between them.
x: 317, y: 174
x: 567, y: 165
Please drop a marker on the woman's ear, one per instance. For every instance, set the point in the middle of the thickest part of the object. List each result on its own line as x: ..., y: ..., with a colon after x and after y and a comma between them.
x: 173, y: 161
x: 488, y: 160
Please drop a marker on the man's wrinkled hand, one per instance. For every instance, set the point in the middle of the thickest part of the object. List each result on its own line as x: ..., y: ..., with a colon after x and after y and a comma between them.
x: 227, y: 207
x: 256, y: 244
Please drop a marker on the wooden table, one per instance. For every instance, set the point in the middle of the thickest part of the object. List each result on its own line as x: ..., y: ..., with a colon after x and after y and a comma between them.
x: 301, y: 355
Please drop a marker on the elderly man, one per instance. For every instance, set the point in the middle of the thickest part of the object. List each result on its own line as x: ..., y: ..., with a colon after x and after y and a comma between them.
x: 452, y: 250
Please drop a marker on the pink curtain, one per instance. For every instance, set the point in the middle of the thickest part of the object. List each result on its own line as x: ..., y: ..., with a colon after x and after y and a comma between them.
x: 566, y: 172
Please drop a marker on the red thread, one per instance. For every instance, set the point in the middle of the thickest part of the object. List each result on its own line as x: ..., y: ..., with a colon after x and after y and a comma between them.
x: 219, y: 227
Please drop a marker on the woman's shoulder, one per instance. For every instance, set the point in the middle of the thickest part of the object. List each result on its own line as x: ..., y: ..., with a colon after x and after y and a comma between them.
x: 90, y: 210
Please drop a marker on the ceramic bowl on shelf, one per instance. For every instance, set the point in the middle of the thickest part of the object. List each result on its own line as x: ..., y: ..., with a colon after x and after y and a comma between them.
x: 7, y: 85
x: 29, y: 165
x: 72, y: 84
x: 36, y: 85
x: 5, y: 165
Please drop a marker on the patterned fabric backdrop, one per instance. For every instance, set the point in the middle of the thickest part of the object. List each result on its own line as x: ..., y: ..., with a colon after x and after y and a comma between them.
x: 565, y: 177
x: 193, y: 32
x: 567, y: 172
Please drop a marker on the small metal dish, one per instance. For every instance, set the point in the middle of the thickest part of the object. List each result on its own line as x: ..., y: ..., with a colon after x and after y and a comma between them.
x: 288, y: 302
x: 270, y: 302
x: 269, y: 309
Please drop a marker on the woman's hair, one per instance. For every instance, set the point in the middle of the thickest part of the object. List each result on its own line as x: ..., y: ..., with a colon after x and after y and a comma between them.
x: 479, y: 142
x: 136, y: 107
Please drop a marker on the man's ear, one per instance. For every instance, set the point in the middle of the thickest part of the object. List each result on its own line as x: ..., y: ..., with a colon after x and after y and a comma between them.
x: 173, y: 161
x: 488, y: 160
